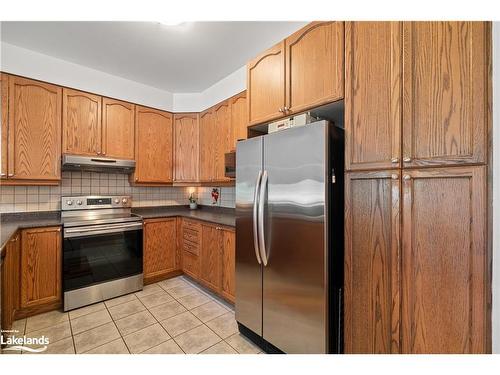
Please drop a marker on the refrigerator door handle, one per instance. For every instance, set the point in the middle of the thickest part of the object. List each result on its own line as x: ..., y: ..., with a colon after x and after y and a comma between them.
x: 254, y: 218
x: 262, y: 242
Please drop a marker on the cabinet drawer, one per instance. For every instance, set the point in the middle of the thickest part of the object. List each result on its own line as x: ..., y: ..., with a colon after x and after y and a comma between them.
x: 191, y: 264
x: 191, y: 235
x: 191, y: 224
x: 192, y: 247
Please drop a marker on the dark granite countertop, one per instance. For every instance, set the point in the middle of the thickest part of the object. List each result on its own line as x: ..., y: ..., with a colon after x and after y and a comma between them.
x: 217, y: 215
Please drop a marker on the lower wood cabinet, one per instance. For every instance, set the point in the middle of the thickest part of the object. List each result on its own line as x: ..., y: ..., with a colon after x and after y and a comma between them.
x: 228, y: 284
x: 211, y: 257
x: 426, y: 291
x: 10, y: 281
x: 41, y: 267
x: 160, y: 249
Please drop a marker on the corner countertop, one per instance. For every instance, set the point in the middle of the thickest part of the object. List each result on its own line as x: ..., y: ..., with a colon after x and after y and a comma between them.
x: 11, y: 222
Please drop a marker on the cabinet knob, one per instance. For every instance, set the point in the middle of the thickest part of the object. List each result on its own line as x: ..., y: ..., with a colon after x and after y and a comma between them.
x: 406, y: 177
x: 394, y: 176
x: 280, y: 109
x: 395, y: 160
x: 406, y: 159
x: 286, y: 109
x: 3, y: 174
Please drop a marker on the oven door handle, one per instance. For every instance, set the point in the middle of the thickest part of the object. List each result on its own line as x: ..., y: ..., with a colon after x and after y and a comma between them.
x: 100, y: 229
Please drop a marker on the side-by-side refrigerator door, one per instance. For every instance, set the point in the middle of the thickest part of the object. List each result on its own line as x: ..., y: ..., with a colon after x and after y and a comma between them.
x: 293, y: 235
x: 248, y: 262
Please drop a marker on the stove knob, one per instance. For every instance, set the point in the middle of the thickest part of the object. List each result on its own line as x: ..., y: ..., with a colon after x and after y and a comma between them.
x: 79, y: 202
x: 69, y: 202
x: 117, y: 201
x: 124, y: 200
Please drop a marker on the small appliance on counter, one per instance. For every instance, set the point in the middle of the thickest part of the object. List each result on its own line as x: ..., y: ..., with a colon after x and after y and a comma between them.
x: 102, y: 249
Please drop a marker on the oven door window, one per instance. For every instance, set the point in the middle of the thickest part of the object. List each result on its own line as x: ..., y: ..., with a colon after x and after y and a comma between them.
x: 94, y: 259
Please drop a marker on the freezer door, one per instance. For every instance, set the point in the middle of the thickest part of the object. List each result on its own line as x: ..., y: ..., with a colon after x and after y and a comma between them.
x: 248, y: 263
x: 294, y: 279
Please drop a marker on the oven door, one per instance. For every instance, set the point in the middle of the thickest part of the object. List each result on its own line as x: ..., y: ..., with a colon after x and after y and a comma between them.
x: 100, y: 253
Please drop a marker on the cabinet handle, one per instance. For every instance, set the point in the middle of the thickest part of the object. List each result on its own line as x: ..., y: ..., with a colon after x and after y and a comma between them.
x: 395, y: 160
x: 406, y: 159
x: 406, y: 177
x: 3, y: 174
x: 394, y: 176
x: 11, y: 175
x: 281, y: 110
x: 286, y: 109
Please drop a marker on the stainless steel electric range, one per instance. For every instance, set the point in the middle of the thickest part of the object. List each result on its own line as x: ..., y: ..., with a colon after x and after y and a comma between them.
x: 102, y: 249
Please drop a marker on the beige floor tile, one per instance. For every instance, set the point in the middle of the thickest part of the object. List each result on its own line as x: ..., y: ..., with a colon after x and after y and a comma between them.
x: 54, y: 333
x: 19, y: 326
x: 89, y: 321
x: 242, y: 345
x: 180, y: 323
x: 126, y: 309
x: 119, y: 300
x: 182, y: 291
x: 146, y: 338
x: 194, y: 300
x: 45, y: 320
x: 149, y: 289
x: 114, y: 347
x: 64, y: 346
x: 224, y: 325
x: 220, y: 348
x: 168, y: 347
x: 197, y: 340
x: 167, y: 310
x: 172, y: 283
x: 86, y: 310
x: 208, y: 311
x: 156, y: 299
x: 135, y: 322
x: 95, y: 337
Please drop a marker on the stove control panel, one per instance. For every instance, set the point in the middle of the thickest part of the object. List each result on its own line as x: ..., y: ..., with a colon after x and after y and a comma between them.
x: 95, y: 202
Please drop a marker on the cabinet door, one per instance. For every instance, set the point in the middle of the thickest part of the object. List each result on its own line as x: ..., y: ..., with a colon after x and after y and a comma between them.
x: 10, y: 281
x: 207, y: 146
x: 228, y: 265
x: 211, y: 257
x: 154, y: 146
x: 160, y: 248
x: 34, y: 130
x: 81, y: 123
x: 266, y: 85
x: 446, y: 69
x: 41, y: 259
x: 117, y: 129
x: 314, y: 65
x: 371, y: 263
x: 444, y: 303
x: 223, y: 137
x: 4, y: 95
x: 239, y: 118
x: 186, y: 147
x: 373, y: 106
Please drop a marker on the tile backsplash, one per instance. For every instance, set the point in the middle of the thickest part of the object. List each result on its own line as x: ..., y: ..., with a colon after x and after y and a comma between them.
x: 48, y: 198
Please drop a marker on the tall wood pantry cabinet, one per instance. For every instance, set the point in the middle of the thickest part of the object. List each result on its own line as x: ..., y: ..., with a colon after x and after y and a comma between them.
x: 416, y: 123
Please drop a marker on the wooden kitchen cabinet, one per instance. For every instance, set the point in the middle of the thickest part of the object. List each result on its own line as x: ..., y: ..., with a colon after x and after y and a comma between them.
x: 228, y: 286
x: 373, y: 105
x: 117, y: 129
x: 211, y: 261
x: 207, y: 146
x: 223, y: 137
x: 314, y: 66
x: 371, y: 262
x: 34, y: 132
x: 444, y: 298
x: 10, y: 281
x: 266, y: 85
x: 239, y: 118
x: 446, y: 80
x: 4, y: 103
x: 81, y: 123
x: 186, y: 147
x: 41, y: 260
x: 160, y: 249
x: 154, y: 146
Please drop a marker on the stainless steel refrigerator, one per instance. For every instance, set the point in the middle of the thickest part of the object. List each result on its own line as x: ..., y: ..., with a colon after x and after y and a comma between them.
x: 289, y: 239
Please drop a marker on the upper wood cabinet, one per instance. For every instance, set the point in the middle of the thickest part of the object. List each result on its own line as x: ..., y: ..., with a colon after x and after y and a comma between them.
x: 228, y: 287
x: 4, y: 96
x: 314, y: 67
x: 239, y: 117
x: 444, y: 298
x: 186, y: 147
x: 34, y: 131
x: 207, y: 146
x: 41, y: 259
x: 373, y: 105
x: 154, y: 148
x: 160, y: 248
x: 446, y: 73
x: 81, y: 121
x: 266, y: 85
x: 117, y: 129
x: 223, y: 137
x: 371, y: 262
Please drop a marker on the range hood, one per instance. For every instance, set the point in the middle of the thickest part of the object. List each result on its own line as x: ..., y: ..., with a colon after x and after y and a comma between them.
x: 96, y: 164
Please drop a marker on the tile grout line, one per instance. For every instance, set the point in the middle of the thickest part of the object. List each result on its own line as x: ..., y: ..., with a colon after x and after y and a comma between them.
x: 113, y: 320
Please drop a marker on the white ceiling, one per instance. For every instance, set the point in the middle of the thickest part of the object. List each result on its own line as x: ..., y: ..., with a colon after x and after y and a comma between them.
x: 189, y: 57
